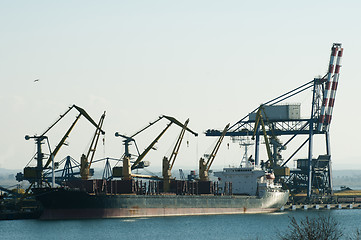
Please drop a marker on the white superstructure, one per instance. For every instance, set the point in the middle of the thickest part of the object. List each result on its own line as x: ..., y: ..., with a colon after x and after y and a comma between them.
x: 246, y: 181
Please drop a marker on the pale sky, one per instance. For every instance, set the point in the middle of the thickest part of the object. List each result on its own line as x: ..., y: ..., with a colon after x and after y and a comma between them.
x: 210, y: 61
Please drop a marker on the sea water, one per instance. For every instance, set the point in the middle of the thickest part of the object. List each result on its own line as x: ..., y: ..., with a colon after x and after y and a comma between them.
x: 244, y: 226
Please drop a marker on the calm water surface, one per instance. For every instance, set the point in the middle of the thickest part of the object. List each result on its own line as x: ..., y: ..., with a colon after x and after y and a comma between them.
x: 252, y: 226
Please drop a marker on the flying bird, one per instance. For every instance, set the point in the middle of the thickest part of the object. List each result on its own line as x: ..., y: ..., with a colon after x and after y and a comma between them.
x: 36, y: 80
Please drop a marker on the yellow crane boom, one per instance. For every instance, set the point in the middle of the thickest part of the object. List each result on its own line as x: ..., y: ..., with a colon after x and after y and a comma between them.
x: 258, y: 121
x: 168, y: 163
x: 126, y: 170
x: 85, y: 163
x: 205, y: 166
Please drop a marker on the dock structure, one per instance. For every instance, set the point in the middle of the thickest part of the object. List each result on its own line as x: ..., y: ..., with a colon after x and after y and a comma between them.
x: 344, y: 199
x: 310, y: 207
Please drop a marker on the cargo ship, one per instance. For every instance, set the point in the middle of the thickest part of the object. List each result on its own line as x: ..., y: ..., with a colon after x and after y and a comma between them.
x: 237, y: 191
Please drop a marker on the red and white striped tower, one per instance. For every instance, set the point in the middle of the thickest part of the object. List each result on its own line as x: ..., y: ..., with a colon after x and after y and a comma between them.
x: 328, y: 85
x: 331, y: 102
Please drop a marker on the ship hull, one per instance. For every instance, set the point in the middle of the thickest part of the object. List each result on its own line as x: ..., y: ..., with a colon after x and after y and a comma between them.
x: 69, y: 204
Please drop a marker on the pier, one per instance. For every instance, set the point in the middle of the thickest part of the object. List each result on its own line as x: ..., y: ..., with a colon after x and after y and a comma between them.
x: 305, y: 207
x: 349, y: 199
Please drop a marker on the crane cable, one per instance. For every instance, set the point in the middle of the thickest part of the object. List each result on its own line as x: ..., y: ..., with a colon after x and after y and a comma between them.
x: 103, y: 141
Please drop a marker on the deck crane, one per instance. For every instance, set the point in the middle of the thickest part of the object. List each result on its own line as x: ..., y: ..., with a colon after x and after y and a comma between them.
x: 85, y: 163
x: 205, y: 166
x: 168, y: 163
x: 126, y: 173
x: 35, y: 174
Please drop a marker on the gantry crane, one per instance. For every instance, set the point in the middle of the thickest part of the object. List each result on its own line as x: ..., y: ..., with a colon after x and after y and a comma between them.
x: 309, y: 170
x: 205, y: 166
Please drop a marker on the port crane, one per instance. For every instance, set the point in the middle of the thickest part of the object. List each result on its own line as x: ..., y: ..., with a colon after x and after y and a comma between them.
x: 259, y: 120
x: 85, y: 163
x: 35, y: 174
x: 169, y: 162
x: 125, y: 171
x: 312, y: 175
x: 273, y: 162
x: 82, y: 168
x: 205, y: 166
